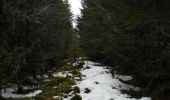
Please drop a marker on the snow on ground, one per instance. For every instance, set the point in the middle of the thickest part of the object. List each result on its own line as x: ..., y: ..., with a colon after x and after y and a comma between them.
x: 102, y: 85
x: 45, y: 76
x: 9, y: 93
x: 97, y: 84
x: 62, y: 74
x: 124, y: 78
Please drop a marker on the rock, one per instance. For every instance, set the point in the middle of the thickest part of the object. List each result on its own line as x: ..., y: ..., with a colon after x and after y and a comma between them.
x: 87, y: 90
x: 96, y: 82
x: 76, y: 89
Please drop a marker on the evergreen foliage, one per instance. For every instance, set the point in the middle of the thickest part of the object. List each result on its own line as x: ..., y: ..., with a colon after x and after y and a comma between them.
x: 133, y: 35
x: 34, y: 36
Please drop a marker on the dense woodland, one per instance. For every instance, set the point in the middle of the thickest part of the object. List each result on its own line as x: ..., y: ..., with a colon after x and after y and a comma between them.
x: 34, y: 36
x: 131, y: 36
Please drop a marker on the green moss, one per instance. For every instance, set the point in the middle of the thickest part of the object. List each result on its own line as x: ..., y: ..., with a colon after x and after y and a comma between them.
x: 64, y: 68
x: 53, y: 82
x: 76, y: 72
x: 63, y: 89
x: 60, y: 80
x: 66, y: 86
x: 58, y: 86
x: 50, y: 75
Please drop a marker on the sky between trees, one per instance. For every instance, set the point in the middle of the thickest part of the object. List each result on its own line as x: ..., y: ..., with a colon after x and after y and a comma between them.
x: 75, y: 9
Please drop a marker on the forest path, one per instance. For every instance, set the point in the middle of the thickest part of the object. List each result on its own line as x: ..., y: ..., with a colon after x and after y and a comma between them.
x: 99, y: 84
x: 84, y: 79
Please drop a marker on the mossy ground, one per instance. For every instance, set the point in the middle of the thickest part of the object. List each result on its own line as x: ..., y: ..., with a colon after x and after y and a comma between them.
x: 60, y: 86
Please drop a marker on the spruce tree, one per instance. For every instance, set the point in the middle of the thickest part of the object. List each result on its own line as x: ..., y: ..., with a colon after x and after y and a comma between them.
x: 130, y: 34
x: 34, y: 36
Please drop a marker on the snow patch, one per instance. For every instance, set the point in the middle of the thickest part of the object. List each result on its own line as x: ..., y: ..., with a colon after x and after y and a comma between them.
x: 9, y: 93
x: 102, y: 85
x: 124, y: 78
x: 62, y: 74
x: 55, y: 97
x: 45, y: 76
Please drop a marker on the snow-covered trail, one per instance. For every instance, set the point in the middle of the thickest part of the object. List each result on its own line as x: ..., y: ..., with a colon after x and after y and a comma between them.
x: 97, y: 84
x: 102, y: 85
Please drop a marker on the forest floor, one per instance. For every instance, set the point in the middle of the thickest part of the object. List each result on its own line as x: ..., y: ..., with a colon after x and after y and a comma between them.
x: 90, y: 82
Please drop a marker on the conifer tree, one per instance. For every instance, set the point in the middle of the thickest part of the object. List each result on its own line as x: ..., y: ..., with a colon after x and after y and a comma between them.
x: 34, y: 36
x: 131, y: 34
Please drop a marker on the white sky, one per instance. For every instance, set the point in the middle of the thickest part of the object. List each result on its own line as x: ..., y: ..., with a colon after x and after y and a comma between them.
x: 75, y: 6
x: 75, y: 9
